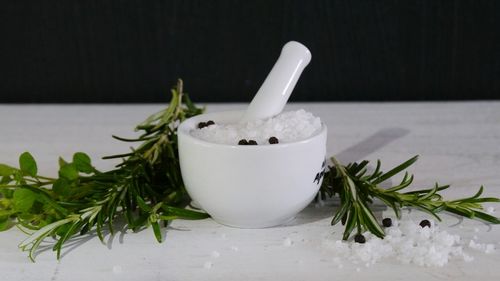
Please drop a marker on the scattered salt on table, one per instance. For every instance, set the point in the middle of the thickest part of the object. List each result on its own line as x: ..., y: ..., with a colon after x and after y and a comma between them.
x: 287, y: 127
x: 407, y: 242
x: 486, y: 248
x: 208, y: 265
x: 117, y: 269
x: 215, y: 254
x: 287, y: 242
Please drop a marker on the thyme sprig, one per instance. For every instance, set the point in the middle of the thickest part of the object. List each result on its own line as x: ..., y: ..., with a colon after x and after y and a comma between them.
x: 145, y: 189
x: 357, y: 188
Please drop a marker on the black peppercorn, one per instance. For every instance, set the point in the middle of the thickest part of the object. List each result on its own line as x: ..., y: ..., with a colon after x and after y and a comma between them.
x: 210, y: 122
x: 387, y: 222
x: 202, y: 125
x: 252, y: 142
x: 243, y: 142
x: 273, y: 140
x: 425, y: 223
x: 359, y: 238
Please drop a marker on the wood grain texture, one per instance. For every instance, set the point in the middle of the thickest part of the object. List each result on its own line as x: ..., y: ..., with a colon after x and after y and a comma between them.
x: 132, y: 51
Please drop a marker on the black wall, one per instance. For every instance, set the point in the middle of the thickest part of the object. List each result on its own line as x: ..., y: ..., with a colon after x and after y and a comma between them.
x: 133, y: 51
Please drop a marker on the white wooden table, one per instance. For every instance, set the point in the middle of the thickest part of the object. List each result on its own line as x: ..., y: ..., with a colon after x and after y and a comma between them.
x: 458, y: 143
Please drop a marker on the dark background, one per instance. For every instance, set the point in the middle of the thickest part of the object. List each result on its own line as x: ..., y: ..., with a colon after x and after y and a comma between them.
x: 133, y: 51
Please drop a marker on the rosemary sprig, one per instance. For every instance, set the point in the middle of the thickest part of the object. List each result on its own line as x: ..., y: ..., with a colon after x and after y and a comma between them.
x: 145, y: 189
x: 357, y: 188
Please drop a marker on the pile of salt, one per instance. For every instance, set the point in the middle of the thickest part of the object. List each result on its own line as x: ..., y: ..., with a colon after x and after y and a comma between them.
x: 407, y: 242
x: 287, y: 127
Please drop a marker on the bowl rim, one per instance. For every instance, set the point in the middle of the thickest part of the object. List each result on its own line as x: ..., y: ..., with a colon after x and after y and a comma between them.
x: 183, y: 130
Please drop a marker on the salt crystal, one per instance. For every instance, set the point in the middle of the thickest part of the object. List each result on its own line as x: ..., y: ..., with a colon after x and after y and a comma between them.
x: 287, y: 242
x: 234, y: 248
x: 467, y: 258
x: 287, y: 127
x: 476, y: 230
x: 215, y: 254
x: 486, y: 248
x: 358, y: 269
x: 207, y: 265
x: 408, y: 243
x: 474, y: 245
x: 490, y: 210
x: 117, y: 269
x: 490, y: 248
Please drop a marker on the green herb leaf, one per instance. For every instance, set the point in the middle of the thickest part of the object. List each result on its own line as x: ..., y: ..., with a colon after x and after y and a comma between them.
x: 62, y: 162
x: 135, y: 191
x: 28, y: 164
x: 143, y: 204
x: 396, y: 170
x: 23, y: 199
x: 185, y: 213
x: 6, y: 170
x: 69, y: 172
x: 357, y: 191
x: 5, y: 223
x: 157, y: 231
x: 62, y: 187
x: 82, y: 162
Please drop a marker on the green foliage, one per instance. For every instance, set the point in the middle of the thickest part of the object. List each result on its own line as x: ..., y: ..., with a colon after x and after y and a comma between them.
x: 82, y: 163
x: 357, y: 188
x: 6, y: 171
x: 69, y: 172
x: 62, y: 187
x: 27, y: 164
x: 23, y: 199
x: 145, y: 189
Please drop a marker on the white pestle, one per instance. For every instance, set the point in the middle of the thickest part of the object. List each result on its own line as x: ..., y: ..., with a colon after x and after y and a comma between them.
x: 276, y: 89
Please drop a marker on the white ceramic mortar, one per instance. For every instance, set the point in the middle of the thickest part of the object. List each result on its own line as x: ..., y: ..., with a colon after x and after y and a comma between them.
x: 250, y: 186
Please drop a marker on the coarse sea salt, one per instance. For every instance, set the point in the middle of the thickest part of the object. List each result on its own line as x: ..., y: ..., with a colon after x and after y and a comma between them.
x: 208, y: 265
x: 117, y: 269
x: 288, y: 127
x: 408, y: 243
x: 215, y: 254
x: 287, y: 242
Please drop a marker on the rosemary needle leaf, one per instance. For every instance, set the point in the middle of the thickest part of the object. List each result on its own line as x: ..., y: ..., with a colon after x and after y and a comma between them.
x: 356, y: 192
x: 396, y: 170
x: 157, y: 231
x: 486, y: 217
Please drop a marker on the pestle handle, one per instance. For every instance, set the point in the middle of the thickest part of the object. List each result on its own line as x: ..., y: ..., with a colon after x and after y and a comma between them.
x: 276, y: 89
